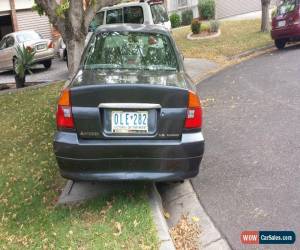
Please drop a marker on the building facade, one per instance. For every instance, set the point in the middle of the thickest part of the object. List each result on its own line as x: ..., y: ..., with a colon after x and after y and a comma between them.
x: 16, y: 15
x: 182, y: 5
x: 224, y: 8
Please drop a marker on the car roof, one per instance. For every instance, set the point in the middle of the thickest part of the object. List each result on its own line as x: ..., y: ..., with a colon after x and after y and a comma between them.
x: 19, y: 32
x: 120, y: 5
x: 133, y: 28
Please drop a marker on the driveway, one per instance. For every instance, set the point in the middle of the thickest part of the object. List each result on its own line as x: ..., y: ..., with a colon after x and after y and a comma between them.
x: 250, y: 176
x: 58, y: 71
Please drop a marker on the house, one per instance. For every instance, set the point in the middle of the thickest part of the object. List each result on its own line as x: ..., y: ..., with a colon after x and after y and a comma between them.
x: 182, y: 5
x: 224, y: 8
x: 16, y: 15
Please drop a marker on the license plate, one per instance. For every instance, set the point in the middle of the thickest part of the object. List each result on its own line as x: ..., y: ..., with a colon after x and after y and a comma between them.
x: 129, y: 122
x: 281, y: 24
x: 41, y: 46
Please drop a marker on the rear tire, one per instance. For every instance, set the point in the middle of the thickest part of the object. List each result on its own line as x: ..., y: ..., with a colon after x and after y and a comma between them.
x: 47, y: 64
x: 280, y: 43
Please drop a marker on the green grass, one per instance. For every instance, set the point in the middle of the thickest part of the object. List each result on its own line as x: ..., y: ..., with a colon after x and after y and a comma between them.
x: 236, y: 37
x: 30, y: 185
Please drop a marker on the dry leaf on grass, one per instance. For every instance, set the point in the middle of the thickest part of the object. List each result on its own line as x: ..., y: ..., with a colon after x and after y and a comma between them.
x: 186, y: 234
x: 118, y: 227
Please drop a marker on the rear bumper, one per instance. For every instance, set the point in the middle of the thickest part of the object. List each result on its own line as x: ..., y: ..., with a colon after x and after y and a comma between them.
x: 291, y: 32
x: 107, y: 160
x: 44, y: 55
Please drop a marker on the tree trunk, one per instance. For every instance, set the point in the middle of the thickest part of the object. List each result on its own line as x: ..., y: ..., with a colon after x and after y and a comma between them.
x: 74, y: 48
x: 265, y: 18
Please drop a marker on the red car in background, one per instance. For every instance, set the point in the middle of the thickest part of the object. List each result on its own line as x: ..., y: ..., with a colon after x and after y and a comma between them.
x: 286, y: 23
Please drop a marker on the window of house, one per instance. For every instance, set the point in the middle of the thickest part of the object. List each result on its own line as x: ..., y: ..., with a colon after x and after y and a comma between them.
x: 182, y: 3
x: 133, y: 14
x: 114, y: 16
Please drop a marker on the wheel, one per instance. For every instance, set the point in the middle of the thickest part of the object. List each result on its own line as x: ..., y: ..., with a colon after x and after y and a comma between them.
x: 280, y: 43
x: 47, y: 64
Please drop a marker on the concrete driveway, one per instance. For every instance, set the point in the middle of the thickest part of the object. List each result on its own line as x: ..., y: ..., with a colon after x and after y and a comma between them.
x: 250, y: 176
x: 58, y: 71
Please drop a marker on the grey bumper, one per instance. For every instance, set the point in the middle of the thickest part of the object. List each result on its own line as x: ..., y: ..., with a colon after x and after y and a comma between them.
x: 107, y: 160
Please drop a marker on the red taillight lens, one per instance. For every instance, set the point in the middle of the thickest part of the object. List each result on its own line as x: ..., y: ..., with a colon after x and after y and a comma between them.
x: 64, y: 116
x: 50, y: 45
x: 193, y: 118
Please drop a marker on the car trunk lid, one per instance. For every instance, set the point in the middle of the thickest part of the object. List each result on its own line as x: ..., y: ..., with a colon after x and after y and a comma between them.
x: 112, y: 105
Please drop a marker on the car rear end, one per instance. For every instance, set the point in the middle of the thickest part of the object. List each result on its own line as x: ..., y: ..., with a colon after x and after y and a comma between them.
x: 43, y: 48
x: 130, y: 125
x: 286, y: 22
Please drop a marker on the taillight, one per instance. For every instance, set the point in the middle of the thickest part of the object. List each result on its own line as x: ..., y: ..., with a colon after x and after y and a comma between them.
x: 64, y: 116
x: 50, y: 45
x: 193, y: 118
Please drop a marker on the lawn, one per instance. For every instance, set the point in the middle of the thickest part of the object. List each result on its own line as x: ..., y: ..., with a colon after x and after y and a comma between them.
x: 30, y: 185
x: 236, y: 37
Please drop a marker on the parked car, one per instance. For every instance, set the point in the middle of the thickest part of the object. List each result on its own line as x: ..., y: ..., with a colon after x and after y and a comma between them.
x: 131, y: 112
x: 286, y: 23
x: 44, y: 49
x: 142, y: 12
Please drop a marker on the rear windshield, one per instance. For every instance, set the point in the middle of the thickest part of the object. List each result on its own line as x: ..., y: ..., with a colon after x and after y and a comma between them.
x: 28, y: 36
x: 287, y: 6
x: 159, y: 13
x: 130, y: 50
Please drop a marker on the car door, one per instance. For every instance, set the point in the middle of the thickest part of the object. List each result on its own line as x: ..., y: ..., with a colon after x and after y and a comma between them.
x: 7, y: 53
x: 2, y: 52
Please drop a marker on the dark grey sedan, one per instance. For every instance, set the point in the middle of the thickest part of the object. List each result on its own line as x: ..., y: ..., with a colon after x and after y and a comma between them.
x: 131, y: 112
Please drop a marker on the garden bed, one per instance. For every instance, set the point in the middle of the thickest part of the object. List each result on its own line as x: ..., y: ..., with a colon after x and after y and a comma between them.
x: 203, y: 35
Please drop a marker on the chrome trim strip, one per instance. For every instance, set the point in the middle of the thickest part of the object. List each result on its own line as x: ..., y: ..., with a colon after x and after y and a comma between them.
x: 129, y: 106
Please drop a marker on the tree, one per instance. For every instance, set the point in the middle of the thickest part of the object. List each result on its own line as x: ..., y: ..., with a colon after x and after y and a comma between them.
x: 265, y: 18
x: 72, y: 18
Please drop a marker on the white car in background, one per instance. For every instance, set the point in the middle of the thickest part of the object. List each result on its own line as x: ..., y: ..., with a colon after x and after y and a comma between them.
x: 43, y: 48
x: 151, y: 12
x: 143, y: 12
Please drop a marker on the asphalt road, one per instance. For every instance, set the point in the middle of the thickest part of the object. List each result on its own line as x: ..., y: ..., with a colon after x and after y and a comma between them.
x: 58, y: 71
x: 250, y: 175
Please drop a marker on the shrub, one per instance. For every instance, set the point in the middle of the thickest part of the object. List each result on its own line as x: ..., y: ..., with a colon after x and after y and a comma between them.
x: 214, y: 25
x: 23, y: 64
x: 207, y: 9
x: 175, y: 20
x: 196, y: 26
x: 187, y: 17
x: 205, y: 27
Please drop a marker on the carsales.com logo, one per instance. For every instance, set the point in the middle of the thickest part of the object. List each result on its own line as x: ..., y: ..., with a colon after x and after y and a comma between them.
x: 268, y: 237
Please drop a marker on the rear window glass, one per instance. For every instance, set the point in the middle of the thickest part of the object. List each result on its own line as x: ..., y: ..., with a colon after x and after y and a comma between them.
x: 28, y: 36
x: 133, y: 14
x: 159, y: 13
x: 114, y: 16
x: 287, y: 6
x: 131, y: 51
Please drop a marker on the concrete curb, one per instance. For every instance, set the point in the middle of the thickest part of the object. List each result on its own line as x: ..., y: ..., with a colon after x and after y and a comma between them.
x: 155, y: 201
x: 181, y: 199
x: 251, y: 51
x: 242, y: 57
x: 39, y: 85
